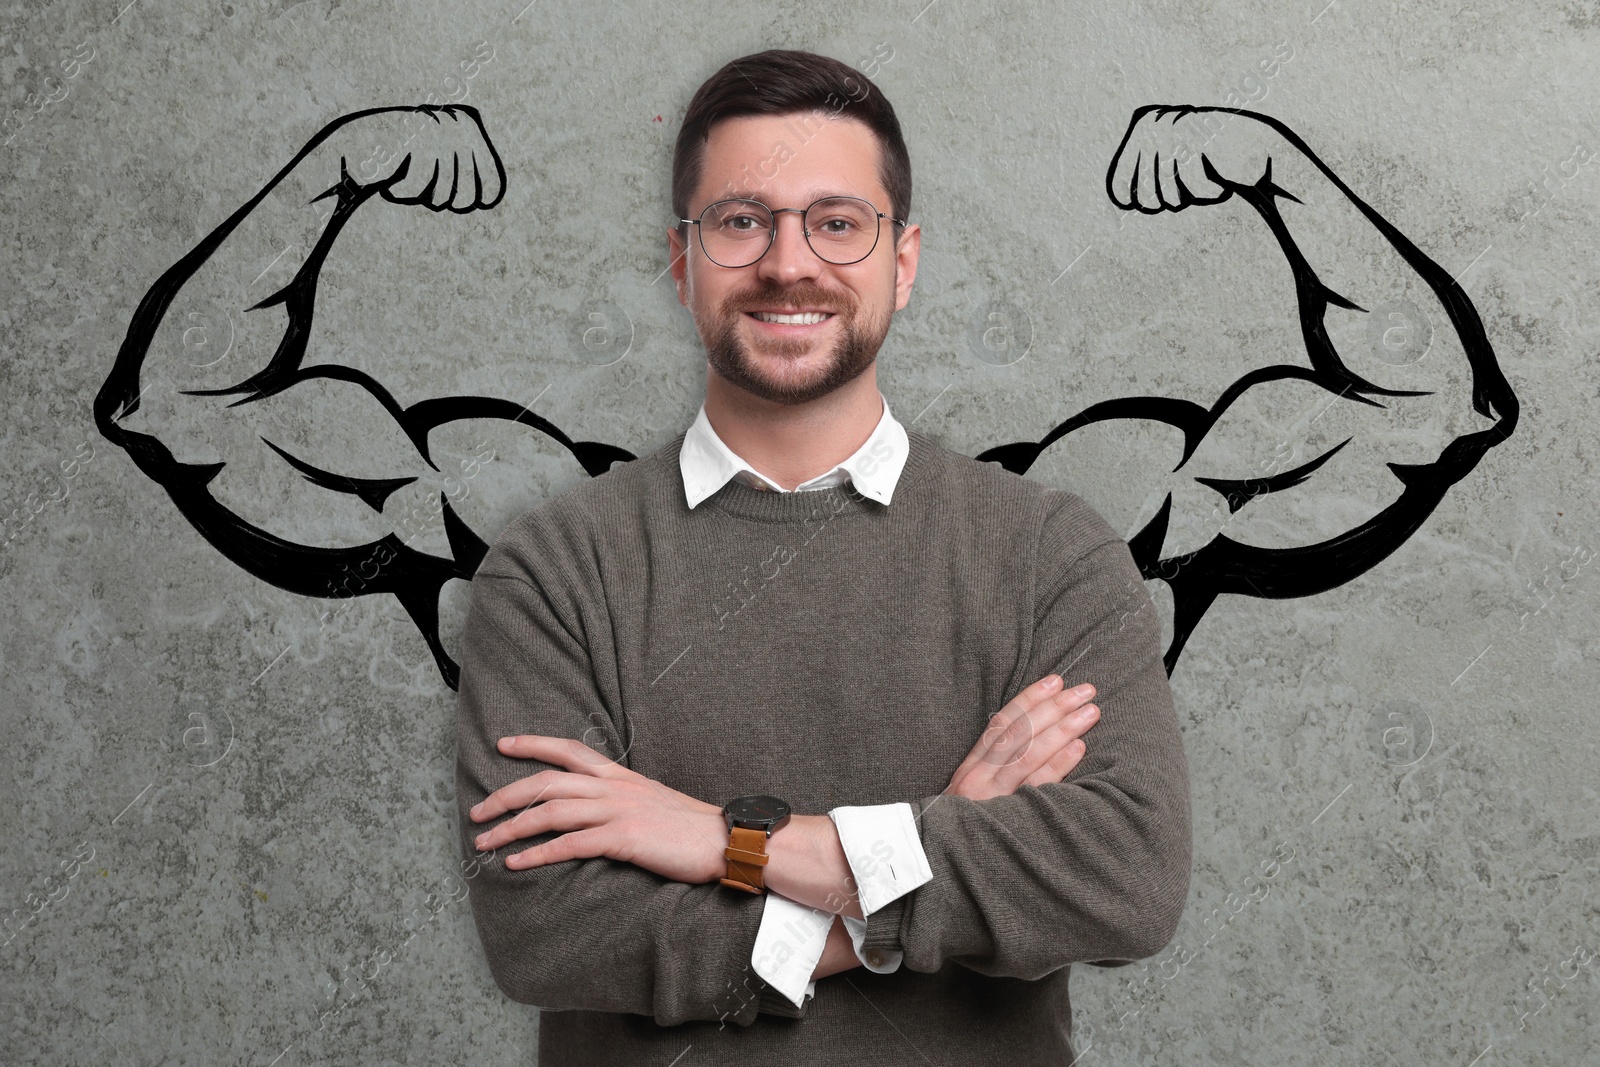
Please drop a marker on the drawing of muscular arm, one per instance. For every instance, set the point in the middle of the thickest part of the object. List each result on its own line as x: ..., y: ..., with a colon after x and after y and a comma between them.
x: 1349, y: 265
x: 260, y: 270
x: 447, y: 163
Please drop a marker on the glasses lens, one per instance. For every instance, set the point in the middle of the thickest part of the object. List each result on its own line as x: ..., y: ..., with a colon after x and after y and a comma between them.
x: 843, y: 229
x: 735, y: 233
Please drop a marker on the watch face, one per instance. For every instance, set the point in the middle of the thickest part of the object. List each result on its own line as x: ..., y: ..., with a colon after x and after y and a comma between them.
x: 755, y: 812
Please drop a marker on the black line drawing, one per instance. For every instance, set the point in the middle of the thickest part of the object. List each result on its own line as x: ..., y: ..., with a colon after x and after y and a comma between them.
x: 1224, y: 565
x: 445, y: 161
x: 455, y: 139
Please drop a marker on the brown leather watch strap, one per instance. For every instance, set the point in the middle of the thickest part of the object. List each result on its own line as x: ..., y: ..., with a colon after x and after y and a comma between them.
x: 747, y: 855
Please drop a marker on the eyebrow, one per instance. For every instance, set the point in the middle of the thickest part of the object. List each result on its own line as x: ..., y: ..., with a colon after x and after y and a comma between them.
x: 811, y: 196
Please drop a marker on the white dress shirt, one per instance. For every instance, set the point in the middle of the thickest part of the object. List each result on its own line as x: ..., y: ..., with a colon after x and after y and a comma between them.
x: 880, y: 841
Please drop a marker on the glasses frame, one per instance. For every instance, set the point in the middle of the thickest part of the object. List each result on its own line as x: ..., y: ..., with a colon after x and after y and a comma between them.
x: 772, y: 233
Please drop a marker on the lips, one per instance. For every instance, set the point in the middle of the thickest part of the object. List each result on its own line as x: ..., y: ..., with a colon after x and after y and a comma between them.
x: 808, y: 313
x: 786, y: 329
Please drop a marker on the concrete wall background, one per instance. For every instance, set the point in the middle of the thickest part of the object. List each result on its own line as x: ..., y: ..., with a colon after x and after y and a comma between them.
x: 228, y: 823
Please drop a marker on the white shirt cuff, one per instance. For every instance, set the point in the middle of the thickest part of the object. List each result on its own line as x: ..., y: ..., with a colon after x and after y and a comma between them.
x: 877, y: 960
x: 788, y: 946
x: 884, y: 851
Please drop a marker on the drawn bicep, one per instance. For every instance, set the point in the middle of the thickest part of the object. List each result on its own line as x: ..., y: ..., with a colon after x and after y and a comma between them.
x: 1121, y: 467
x: 1292, y: 464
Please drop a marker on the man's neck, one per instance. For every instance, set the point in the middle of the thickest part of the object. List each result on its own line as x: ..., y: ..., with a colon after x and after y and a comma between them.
x: 793, y: 444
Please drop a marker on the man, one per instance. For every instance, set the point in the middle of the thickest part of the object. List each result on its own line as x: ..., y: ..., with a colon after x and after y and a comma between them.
x: 642, y: 736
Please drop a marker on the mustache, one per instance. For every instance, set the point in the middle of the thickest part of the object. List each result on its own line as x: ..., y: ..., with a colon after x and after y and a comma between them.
x: 810, y: 297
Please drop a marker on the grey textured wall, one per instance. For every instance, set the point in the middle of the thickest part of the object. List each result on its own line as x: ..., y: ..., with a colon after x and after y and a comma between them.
x: 227, y: 815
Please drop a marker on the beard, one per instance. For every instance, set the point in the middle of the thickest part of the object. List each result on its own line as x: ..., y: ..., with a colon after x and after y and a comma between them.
x: 852, y: 352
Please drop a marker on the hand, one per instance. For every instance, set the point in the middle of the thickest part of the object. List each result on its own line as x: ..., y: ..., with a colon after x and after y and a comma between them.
x: 606, y: 809
x: 439, y: 157
x: 1172, y: 157
x: 1034, y: 739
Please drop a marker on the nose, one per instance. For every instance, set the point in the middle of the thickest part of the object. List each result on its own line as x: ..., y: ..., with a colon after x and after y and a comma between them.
x: 790, y: 258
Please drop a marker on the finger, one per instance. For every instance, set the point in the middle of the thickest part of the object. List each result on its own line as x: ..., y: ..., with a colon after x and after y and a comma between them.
x: 1125, y: 160
x: 1144, y: 185
x: 1014, y: 744
x: 427, y: 173
x: 1116, y: 182
x: 1043, y: 745
x: 1185, y: 197
x: 477, y: 182
x: 430, y: 190
x: 1069, y: 727
x: 1045, y: 741
x: 1168, y: 189
x: 1197, y: 185
x: 1016, y: 738
x: 1049, y: 767
x: 1004, y: 745
x: 557, y: 816
x: 494, y: 173
x: 1119, y: 179
x: 1058, y: 766
x: 579, y: 845
x: 445, y: 188
x: 566, y: 752
x: 487, y: 162
x: 455, y: 180
x: 535, y: 789
x: 1001, y: 720
x: 401, y: 182
x: 468, y: 185
x: 490, y: 175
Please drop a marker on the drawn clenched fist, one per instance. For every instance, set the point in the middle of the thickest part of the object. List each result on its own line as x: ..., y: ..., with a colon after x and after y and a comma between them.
x: 439, y: 157
x: 1173, y: 156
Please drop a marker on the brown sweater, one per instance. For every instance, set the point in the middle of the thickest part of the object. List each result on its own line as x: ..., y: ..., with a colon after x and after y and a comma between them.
x: 876, y: 642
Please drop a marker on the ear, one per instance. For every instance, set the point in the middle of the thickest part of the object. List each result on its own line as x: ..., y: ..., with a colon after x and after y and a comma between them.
x: 677, y: 248
x: 905, y: 264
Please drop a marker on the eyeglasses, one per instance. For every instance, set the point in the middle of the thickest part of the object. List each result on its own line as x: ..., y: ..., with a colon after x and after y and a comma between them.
x: 839, y: 229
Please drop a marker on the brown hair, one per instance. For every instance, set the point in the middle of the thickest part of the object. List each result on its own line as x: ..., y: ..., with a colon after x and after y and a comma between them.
x: 782, y: 82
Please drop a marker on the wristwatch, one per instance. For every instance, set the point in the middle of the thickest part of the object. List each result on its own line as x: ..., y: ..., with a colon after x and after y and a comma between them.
x: 751, y: 820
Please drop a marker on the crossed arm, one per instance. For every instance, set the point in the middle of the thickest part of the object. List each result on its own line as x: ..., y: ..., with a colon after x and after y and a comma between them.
x: 1104, y: 855
x: 631, y: 818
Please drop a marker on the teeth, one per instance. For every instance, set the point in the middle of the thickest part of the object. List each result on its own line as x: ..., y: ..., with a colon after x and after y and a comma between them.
x: 810, y: 318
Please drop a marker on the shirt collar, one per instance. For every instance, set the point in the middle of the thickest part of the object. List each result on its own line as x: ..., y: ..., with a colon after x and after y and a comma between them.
x: 707, y: 464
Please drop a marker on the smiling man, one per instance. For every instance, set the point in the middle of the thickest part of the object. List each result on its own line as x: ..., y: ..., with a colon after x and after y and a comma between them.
x: 775, y: 745
x: 797, y: 283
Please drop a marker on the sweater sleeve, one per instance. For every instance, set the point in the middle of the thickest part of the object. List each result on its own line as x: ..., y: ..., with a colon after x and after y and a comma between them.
x: 595, y: 934
x: 880, y: 845
x: 1094, y: 868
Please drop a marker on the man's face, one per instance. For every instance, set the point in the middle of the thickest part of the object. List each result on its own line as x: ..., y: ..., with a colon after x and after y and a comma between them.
x: 790, y: 161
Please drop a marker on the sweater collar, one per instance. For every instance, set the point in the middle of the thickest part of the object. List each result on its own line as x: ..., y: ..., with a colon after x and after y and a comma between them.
x: 707, y: 463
